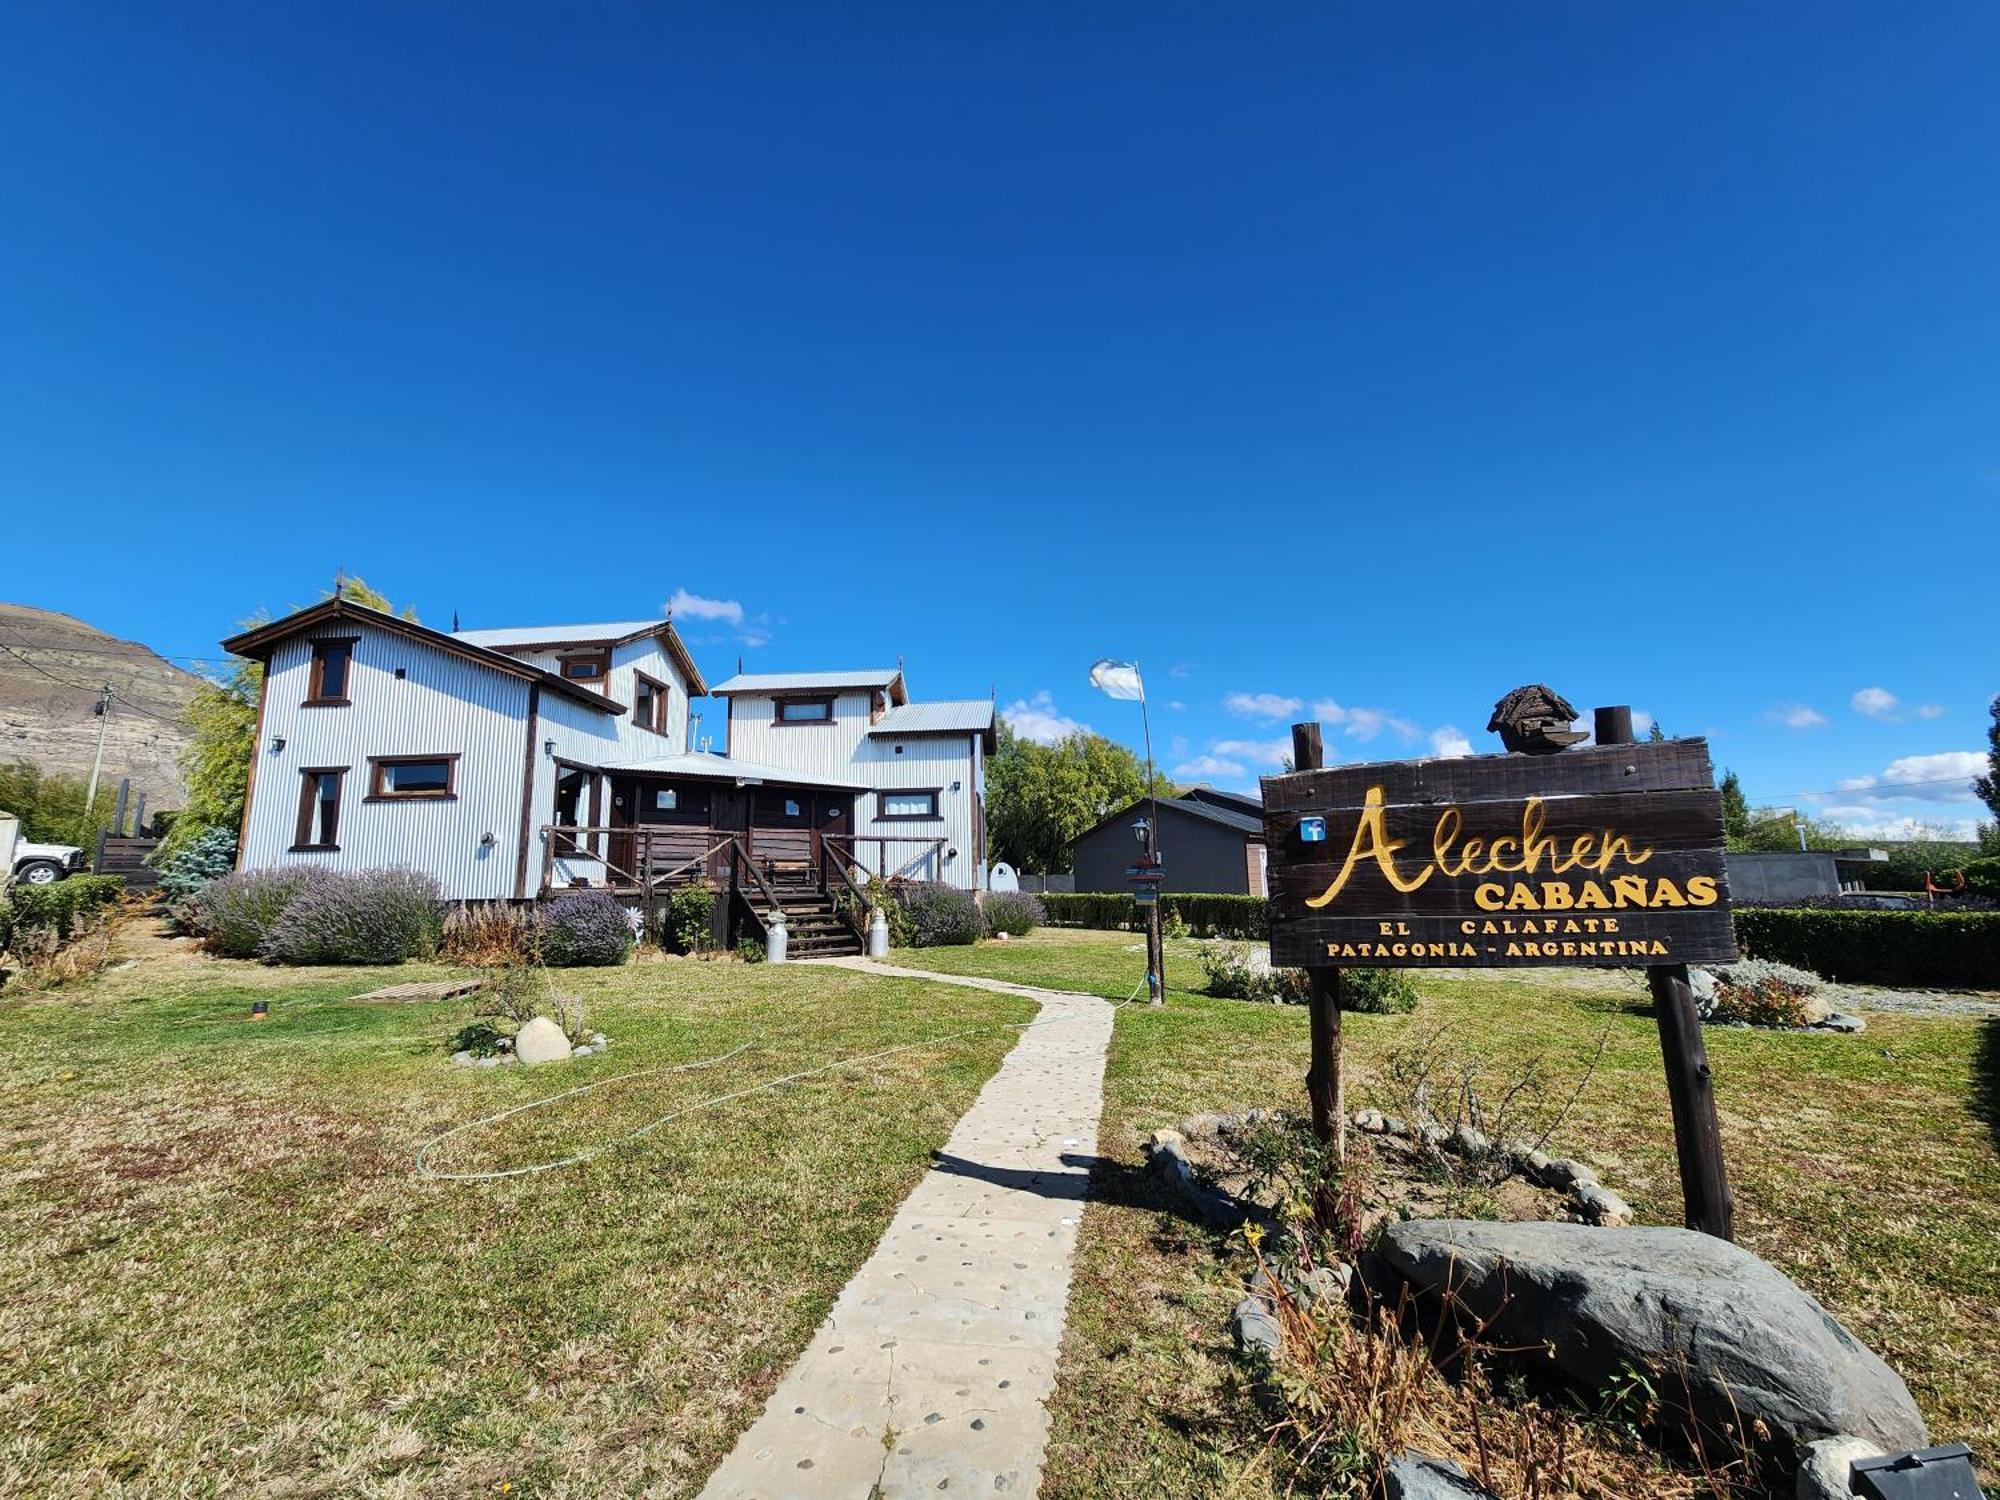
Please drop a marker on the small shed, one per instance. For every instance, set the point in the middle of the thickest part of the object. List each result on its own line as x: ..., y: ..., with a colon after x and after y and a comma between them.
x: 1209, y: 841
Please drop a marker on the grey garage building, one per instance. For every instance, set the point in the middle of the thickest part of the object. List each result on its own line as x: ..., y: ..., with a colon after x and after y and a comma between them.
x: 1209, y: 841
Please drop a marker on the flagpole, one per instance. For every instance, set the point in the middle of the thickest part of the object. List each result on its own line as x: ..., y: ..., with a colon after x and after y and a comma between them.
x: 1156, y: 948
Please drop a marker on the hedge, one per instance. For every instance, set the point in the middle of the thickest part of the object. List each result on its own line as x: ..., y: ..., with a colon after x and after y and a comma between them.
x: 61, y: 905
x: 1879, y: 947
x: 1206, y: 915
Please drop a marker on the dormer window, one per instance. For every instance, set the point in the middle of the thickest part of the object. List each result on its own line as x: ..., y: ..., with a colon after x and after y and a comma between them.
x: 805, y: 711
x: 332, y: 664
x: 586, y: 668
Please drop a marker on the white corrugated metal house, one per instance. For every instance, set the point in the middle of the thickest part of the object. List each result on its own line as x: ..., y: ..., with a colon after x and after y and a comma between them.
x: 921, y: 766
x: 514, y: 763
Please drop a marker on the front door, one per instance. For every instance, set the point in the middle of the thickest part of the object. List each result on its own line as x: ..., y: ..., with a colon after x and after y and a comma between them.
x: 835, y: 821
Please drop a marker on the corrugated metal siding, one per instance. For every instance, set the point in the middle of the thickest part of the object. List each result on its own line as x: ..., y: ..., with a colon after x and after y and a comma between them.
x: 846, y: 749
x: 442, y: 705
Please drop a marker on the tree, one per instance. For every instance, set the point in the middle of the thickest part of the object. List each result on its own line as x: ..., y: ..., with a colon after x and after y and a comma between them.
x: 357, y: 591
x: 1040, y: 797
x: 1655, y: 734
x: 1735, y: 811
x: 221, y: 719
x: 1987, y: 788
x: 50, y: 806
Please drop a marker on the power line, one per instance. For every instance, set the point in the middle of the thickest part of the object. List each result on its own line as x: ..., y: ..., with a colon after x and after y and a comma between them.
x: 130, y: 650
x: 84, y: 687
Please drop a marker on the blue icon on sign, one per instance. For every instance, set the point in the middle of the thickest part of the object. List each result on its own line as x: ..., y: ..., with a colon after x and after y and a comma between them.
x: 1312, y: 830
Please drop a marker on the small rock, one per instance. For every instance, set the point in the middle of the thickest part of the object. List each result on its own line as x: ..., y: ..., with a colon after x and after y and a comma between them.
x: 1536, y: 1166
x: 1256, y: 1328
x: 1167, y: 1140
x: 1418, y: 1476
x: 1823, y: 1467
x: 598, y: 1039
x: 489, y: 1062
x: 1371, y: 1120
x: 540, y: 1041
x: 1430, y: 1133
x: 1326, y: 1283
x: 1395, y: 1125
x: 1814, y: 1010
x: 1702, y: 983
x: 1469, y: 1140
x: 1567, y: 1173
x: 463, y: 1059
x: 1602, y: 1206
x: 1199, y: 1127
x: 1841, y: 1021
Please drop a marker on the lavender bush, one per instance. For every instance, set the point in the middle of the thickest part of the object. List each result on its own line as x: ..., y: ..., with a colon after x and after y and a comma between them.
x: 363, y: 917
x: 236, y: 913
x: 940, y: 916
x: 583, y: 929
x: 1015, y: 913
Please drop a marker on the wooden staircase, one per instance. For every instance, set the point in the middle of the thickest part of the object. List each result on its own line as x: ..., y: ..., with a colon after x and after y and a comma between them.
x: 814, y: 929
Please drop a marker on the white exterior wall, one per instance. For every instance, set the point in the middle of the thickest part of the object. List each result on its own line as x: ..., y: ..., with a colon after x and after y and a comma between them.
x: 846, y: 751
x: 648, y: 656
x: 442, y: 705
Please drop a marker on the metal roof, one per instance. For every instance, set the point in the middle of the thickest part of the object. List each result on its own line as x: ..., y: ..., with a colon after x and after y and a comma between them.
x: 726, y: 768
x: 805, y: 682
x: 568, y: 635
x: 1208, y: 812
x: 954, y: 716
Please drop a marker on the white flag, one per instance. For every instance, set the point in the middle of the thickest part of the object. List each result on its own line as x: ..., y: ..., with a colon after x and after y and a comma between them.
x: 1118, y: 678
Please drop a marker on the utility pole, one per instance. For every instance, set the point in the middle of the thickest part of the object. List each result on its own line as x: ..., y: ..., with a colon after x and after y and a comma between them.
x: 97, y: 765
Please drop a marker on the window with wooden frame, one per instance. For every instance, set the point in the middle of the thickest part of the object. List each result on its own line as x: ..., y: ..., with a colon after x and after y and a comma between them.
x: 803, y: 711
x: 319, y: 809
x: 332, y: 666
x: 907, y: 804
x: 412, y: 778
x: 650, y: 698
x: 589, y: 668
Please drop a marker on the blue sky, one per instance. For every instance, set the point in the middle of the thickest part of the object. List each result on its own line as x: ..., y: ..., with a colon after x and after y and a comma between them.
x: 1373, y: 356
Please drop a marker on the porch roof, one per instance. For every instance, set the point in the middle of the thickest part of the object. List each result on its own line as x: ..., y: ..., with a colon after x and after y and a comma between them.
x: 724, y: 768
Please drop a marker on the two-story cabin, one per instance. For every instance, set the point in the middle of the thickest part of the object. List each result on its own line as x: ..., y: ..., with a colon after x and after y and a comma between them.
x: 514, y: 763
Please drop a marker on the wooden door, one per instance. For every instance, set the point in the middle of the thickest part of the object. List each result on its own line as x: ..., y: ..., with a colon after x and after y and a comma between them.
x: 834, y: 818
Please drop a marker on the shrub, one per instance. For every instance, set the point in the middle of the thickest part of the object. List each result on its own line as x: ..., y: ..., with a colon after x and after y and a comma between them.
x: 489, y: 933
x: 750, y: 951
x: 358, y: 917
x: 1769, y: 1001
x: 61, y: 908
x: 235, y: 914
x: 1206, y: 914
x: 1879, y: 947
x: 1015, y: 913
x: 200, y: 862
x: 584, y: 929
x: 1982, y: 878
x: 687, y: 924
x: 1746, y: 972
x: 940, y: 915
x: 1378, y: 992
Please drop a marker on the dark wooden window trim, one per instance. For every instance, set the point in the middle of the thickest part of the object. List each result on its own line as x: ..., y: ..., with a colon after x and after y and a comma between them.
x: 316, y: 684
x: 883, y: 794
x: 378, y: 780
x: 662, y: 702
x: 778, y: 706
x: 303, y: 841
x: 601, y: 660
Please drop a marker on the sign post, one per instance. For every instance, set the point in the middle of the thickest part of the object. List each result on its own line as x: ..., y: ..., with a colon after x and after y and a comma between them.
x: 1604, y: 855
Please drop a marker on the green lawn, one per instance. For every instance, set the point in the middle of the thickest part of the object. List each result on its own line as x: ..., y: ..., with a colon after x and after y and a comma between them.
x: 220, y: 1274
x: 1864, y: 1167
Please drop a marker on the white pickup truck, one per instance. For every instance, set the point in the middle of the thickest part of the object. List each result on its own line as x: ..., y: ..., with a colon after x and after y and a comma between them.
x: 45, y: 864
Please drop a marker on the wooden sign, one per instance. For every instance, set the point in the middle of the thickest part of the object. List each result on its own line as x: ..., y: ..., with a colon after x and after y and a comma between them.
x: 1610, y: 855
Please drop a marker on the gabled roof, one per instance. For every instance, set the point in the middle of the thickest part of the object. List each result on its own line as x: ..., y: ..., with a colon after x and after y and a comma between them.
x: 1216, y: 797
x: 513, y: 638
x: 761, y: 683
x: 726, y: 768
x: 258, y: 644
x: 953, y: 716
x: 1208, y: 812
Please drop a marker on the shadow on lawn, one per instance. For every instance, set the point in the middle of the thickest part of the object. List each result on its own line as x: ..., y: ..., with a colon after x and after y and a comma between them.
x: 1091, y: 1178
x: 1986, y: 1077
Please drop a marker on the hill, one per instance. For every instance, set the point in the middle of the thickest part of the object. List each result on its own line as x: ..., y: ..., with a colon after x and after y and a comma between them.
x: 52, y: 667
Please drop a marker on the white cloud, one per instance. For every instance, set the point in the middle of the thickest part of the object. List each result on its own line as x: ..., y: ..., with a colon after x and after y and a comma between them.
x: 1642, y: 722
x: 1210, y: 765
x: 1367, y: 723
x: 1257, y: 752
x: 1176, y: 705
x: 686, y: 606
x: 1868, y: 823
x: 1262, y: 705
x: 1329, y: 712
x: 1181, y: 669
x: 1796, y: 716
x: 1930, y: 711
x: 1944, y: 777
x: 1036, y: 719
x: 1874, y: 702
x: 1448, y: 743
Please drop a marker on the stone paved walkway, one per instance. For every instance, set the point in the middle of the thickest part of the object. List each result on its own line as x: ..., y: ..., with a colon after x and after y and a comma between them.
x: 931, y: 1374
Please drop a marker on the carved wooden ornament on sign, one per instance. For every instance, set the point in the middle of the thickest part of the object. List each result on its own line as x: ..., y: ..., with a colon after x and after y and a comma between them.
x: 1608, y: 855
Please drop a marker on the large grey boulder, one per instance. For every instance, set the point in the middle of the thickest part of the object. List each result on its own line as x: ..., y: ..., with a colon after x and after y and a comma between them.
x: 1749, y: 1344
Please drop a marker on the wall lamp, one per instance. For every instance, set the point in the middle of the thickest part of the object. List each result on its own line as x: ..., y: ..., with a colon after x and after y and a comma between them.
x: 549, y: 748
x: 277, y: 743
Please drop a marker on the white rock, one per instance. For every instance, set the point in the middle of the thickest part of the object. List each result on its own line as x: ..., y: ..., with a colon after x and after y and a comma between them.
x: 1823, y: 1466
x: 488, y: 1062
x: 540, y: 1041
x: 463, y: 1059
